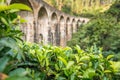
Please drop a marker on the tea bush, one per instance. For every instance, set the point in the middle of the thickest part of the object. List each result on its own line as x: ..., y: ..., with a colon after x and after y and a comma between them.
x: 56, y: 63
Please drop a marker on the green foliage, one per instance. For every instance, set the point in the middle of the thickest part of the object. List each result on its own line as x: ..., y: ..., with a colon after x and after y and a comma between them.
x: 9, y: 20
x: 85, y: 8
x: 66, y: 9
x: 55, y: 63
x: 10, y: 36
x: 16, y: 6
x: 31, y: 61
x: 114, y: 10
x: 103, y: 31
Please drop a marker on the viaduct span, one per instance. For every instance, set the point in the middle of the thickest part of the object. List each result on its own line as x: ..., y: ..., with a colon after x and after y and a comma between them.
x: 47, y: 24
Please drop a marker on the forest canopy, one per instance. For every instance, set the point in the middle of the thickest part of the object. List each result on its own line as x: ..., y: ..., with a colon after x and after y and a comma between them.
x: 81, y: 7
x: 102, y: 31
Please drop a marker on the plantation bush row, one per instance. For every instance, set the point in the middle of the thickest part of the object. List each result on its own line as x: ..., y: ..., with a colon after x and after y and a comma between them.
x: 34, y: 62
x: 21, y: 60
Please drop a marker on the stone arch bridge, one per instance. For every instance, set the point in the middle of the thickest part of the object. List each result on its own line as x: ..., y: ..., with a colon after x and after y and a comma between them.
x: 47, y: 24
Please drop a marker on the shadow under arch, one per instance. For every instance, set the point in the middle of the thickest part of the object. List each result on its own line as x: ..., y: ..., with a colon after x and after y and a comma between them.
x: 62, y: 20
x: 43, y: 14
x: 41, y: 38
x: 83, y: 21
x: 54, y: 17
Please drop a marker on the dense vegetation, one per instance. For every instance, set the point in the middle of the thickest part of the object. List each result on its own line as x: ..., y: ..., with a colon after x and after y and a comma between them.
x: 86, y: 8
x: 102, y: 31
x: 20, y: 60
x: 54, y: 63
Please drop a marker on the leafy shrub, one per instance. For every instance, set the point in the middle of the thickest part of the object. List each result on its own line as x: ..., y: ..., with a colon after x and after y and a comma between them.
x: 114, y: 10
x: 10, y: 52
x: 51, y: 63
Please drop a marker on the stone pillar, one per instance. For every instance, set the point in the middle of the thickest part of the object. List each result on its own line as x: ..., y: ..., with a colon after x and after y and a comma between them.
x: 62, y: 33
x: 28, y: 29
x: 57, y: 34
x: 8, y: 2
x: 69, y: 31
x: 54, y: 28
x: 74, y: 26
x: 53, y: 31
x: 42, y: 29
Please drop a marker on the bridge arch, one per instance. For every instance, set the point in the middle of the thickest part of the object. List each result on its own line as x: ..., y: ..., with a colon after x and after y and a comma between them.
x: 73, y: 25
x: 62, y: 31
x: 78, y: 24
x: 54, y: 17
x: 68, y: 29
x: 42, y: 27
x: 62, y: 19
x: 55, y: 29
x: 28, y: 27
x: 43, y: 14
